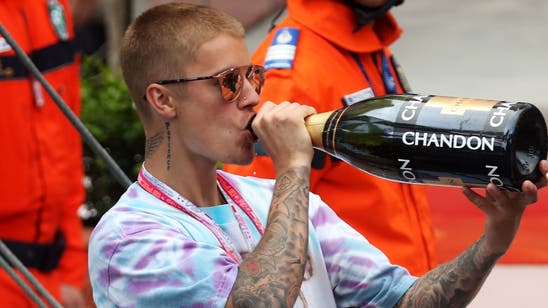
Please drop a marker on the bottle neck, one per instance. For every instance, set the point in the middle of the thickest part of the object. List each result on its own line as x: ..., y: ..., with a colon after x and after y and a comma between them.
x: 315, y: 125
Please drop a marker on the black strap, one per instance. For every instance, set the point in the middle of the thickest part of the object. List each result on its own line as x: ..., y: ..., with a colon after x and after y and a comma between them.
x: 45, y: 59
x: 44, y: 257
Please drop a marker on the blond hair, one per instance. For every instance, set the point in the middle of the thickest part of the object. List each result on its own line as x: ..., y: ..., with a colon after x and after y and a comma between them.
x: 163, y: 40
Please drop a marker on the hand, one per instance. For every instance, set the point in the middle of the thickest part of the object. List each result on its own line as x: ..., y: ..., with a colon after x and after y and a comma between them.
x: 282, y: 132
x: 504, y: 210
x: 72, y: 297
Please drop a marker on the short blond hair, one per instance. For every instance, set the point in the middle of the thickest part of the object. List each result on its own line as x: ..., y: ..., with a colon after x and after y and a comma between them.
x: 164, y: 39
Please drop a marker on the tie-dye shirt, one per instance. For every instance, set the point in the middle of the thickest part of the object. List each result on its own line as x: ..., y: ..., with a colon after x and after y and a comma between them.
x: 146, y: 253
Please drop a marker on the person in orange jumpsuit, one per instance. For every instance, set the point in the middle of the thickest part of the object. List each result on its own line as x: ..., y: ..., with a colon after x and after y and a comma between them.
x: 330, y: 54
x: 41, y: 167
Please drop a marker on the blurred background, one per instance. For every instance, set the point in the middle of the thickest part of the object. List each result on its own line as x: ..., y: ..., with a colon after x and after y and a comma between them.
x: 477, y: 49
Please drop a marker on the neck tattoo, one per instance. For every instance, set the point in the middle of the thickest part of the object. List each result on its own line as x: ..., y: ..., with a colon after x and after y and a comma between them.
x: 168, y: 155
x: 153, y: 143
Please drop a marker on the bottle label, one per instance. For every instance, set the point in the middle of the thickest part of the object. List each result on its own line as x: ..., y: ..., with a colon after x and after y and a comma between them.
x: 452, y: 127
x: 409, y: 112
x: 498, y: 116
x: 497, y: 120
x: 458, y: 106
x: 439, y: 140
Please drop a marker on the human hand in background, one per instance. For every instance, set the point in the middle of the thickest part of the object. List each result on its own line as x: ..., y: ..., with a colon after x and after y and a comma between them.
x: 72, y: 297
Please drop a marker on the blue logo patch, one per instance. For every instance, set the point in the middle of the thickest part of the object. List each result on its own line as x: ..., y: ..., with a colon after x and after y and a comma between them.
x: 358, y: 96
x: 281, y: 52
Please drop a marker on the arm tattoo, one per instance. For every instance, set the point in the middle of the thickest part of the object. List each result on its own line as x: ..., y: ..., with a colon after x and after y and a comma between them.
x: 453, y: 284
x: 153, y: 143
x: 271, y: 275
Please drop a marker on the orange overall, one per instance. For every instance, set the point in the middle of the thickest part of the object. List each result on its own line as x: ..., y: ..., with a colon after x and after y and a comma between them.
x: 41, y: 166
x: 332, y: 62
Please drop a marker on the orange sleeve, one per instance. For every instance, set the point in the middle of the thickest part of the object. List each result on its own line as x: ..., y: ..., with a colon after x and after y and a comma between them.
x: 73, y: 265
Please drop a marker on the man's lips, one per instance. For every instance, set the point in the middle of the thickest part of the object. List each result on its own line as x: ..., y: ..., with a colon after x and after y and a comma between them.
x: 250, y: 129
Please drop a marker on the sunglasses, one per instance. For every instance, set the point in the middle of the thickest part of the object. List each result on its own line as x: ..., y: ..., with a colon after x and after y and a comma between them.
x: 231, y: 80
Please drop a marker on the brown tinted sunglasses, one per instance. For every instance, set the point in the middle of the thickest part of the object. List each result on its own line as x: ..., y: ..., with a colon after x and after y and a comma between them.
x: 231, y: 80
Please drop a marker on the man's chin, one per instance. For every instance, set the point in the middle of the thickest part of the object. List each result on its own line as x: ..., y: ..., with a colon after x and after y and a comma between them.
x: 243, y: 160
x: 247, y: 161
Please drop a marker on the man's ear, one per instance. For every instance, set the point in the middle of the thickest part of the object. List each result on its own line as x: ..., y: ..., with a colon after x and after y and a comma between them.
x: 161, y: 100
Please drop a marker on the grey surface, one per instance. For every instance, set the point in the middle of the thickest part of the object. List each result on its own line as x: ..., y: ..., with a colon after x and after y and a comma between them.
x: 511, y: 286
x: 485, y: 49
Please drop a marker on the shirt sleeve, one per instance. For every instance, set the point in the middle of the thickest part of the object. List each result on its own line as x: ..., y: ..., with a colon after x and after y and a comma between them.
x: 145, y: 264
x: 360, y: 274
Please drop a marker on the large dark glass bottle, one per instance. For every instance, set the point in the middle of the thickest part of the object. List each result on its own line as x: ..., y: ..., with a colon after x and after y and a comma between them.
x: 436, y: 140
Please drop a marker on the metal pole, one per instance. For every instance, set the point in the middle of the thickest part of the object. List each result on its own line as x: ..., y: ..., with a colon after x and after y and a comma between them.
x: 90, y: 141
x: 10, y: 257
x: 86, y: 135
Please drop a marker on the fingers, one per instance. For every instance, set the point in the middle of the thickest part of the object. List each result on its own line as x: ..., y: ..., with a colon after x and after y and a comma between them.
x: 497, y: 200
x: 543, y: 167
x: 284, y: 119
x: 284, y: 111
x: 530, y: 192
x: 475, y: 198
x: 487, y: 203
x: 281, y: 128
x: 504, y: 209
x: 493, y: 192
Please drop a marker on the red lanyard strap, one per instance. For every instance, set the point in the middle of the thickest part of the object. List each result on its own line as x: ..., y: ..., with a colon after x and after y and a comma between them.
x: 235, y: 199
x: 164, y: 193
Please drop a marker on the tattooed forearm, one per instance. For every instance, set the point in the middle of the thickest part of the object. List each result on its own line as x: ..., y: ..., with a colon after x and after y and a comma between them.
x: 453, y: 284
x: 153, y: 143
x: 271, y: 276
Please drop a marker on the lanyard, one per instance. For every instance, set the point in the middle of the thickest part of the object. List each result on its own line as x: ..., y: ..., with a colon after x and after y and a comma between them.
x: 163, y: 192
x: 235, y: 201
x: 386, y: 73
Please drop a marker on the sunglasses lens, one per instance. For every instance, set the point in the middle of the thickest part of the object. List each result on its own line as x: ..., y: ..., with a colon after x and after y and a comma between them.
x: 255, y: 75
x: 231, y: 84
x: 232, y: 81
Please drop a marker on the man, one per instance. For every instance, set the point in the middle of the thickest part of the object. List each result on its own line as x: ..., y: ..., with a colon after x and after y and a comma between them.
x: 187, y: 234
x: 329, y: 54
x: 41, y: 168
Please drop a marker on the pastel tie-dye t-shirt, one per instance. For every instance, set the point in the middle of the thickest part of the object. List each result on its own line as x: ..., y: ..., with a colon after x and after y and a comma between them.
x: 146, y: 253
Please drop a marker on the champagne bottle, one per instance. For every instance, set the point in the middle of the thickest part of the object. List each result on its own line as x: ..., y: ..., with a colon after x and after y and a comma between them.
x: 436, y: 140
